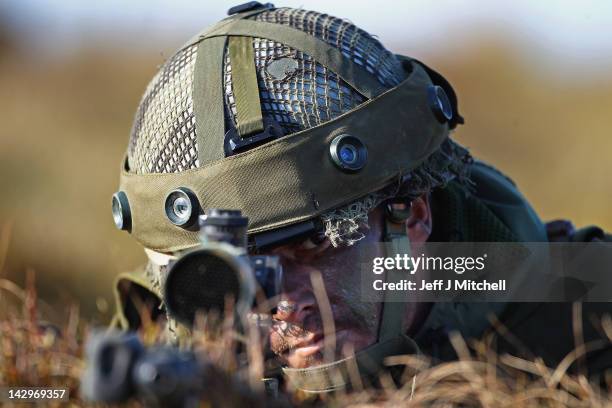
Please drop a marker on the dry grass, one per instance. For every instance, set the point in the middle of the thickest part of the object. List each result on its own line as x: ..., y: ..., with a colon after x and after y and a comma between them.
x: 36, y: 354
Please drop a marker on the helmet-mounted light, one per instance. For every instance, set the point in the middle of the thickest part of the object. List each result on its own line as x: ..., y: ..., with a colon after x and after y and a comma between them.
x: 121, y: 211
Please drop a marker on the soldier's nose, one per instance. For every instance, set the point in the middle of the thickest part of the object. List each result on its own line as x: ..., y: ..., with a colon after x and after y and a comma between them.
x: 296, y: 310
x: 297, y: 297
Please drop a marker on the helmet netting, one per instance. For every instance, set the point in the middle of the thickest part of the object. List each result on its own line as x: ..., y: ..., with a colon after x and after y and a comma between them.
x: 163, y: 137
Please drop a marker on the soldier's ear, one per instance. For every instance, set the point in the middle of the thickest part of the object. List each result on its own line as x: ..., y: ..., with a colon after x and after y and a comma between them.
x: 418, y: 224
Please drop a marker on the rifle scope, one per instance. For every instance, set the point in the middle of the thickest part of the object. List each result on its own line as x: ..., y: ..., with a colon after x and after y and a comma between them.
x: 219, y: 271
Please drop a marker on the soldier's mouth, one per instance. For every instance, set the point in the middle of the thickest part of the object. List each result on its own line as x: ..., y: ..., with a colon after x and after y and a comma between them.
x: 311, y: 352
x: 308, y: 346
x: 300, y: 348
x: 305, y: 352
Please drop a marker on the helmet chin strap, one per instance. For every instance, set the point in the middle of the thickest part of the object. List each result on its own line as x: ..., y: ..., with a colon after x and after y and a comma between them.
x: 391, y: 338
x: 394, y: 304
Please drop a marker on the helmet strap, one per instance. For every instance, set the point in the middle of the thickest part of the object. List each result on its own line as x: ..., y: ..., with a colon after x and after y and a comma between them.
x: 394, y: 303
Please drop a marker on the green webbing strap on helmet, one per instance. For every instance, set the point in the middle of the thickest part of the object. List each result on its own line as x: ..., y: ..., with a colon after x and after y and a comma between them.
x: 329, y: 56
x: 208, y: 99
x: 208, y: 88
x: 244, y: 82
x: 196, y: 38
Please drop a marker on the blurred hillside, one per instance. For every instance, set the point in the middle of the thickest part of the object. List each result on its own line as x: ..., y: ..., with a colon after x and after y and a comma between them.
x: 66, y: 121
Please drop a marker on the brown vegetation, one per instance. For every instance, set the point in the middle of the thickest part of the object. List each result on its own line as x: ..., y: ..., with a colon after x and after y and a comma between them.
x: 36, y: 354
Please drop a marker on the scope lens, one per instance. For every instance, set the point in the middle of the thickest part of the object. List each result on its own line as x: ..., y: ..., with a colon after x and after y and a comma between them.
x: 201, y: 281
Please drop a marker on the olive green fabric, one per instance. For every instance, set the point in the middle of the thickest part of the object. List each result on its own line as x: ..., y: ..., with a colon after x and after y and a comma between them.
x: 499, y: 194
x: 546, y: 330
x: 128, y: 287
x: 292, y: 179
x: 196, y: 38
x: 591, y: 233
x: 394, y: 307
x: 496, y: 211
x: 244, y: 81
x: 493, y: 211
x: 354, y: 74
x: 208, y: 99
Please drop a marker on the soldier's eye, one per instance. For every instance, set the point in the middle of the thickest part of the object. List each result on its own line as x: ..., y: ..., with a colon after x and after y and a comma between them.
x: 314, y: 241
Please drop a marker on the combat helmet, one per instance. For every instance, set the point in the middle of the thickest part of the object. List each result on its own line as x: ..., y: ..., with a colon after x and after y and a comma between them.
x: 297, y: 118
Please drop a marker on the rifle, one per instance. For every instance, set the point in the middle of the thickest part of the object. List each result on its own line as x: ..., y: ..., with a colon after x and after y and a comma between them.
x: 121, y: 368
x: 200, y: 280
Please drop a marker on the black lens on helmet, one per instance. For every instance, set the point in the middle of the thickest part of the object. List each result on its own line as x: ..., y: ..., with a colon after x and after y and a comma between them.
x: 182, y: 207
x: 439, y: 103
x: 121, y: 211
x: 348, y: 153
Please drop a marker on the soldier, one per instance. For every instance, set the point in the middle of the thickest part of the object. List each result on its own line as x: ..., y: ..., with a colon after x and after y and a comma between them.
x: 307, y: 123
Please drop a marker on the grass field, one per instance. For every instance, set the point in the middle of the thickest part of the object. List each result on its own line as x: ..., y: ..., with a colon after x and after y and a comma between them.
x: 65, y: 126
x: 35, y: 354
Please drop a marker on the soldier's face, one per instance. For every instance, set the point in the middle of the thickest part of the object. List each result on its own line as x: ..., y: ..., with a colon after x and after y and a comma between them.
x: 297, y: 334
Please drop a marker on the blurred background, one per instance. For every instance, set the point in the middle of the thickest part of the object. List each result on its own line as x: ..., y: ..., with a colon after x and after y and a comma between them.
x: 533, y: 78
